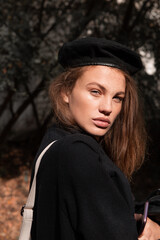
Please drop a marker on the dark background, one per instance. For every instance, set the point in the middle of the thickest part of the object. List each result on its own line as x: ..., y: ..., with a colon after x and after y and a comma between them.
x: 31, y: 32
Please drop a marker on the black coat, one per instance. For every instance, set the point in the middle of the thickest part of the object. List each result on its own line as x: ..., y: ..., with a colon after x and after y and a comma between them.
x: 80, y: 193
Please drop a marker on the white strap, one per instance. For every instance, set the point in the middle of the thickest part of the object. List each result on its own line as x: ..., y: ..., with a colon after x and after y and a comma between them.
x: 28, y: 209
x: 26, y: 225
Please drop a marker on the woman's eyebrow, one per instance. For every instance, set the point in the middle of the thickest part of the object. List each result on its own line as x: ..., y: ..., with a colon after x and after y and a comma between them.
x: 99, y: 85
x: 121, y: 92
x: 104, y: 89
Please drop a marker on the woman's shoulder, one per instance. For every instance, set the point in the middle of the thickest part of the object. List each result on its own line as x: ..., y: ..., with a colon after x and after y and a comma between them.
x: 78, y: 157
x: 74, y: 149
x: 73, y: 146
x: 78, y: 142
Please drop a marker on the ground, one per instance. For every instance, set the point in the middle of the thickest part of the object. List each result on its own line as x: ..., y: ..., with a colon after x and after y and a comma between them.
x: 12, y: 196
x: 15, y: 168
x: 15, y: 171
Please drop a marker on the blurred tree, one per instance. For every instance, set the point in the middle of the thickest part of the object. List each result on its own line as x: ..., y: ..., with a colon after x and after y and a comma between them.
x: 31, y: 33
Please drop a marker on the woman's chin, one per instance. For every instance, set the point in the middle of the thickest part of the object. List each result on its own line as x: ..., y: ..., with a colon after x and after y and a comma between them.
x: 97, y: 132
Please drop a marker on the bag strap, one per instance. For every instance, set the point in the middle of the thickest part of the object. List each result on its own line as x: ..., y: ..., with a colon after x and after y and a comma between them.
x: 28, y: 208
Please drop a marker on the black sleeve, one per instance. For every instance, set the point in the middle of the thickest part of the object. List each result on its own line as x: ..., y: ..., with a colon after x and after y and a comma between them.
x: 90, y: 198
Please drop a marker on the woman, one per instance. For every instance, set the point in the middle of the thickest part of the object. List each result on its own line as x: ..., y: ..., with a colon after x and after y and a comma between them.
x: 82, y: 189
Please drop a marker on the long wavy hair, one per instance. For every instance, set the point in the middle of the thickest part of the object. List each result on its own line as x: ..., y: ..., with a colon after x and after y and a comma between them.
x: 125, y: 142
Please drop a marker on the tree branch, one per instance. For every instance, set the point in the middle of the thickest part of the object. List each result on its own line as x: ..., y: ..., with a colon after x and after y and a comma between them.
x: 40, y: 16
x: 6, y: 101
x: 20, y: 110
x: 35, y: 113
x: 141, y: 13
x: 127, y: 16
x: 92, y: 9
x: 58, y: 19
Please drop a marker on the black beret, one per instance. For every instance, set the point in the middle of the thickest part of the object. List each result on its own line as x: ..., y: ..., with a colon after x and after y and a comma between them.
x: 99, y: 51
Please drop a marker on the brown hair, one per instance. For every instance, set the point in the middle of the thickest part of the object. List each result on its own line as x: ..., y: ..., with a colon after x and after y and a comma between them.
x: 126, y: 140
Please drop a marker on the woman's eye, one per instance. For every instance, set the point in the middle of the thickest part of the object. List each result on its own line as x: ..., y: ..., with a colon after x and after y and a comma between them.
x: 118, y: 99
x: 95, y: 92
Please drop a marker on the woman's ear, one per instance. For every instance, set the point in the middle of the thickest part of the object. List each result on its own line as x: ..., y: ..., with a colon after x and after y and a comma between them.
x: 65, y: 97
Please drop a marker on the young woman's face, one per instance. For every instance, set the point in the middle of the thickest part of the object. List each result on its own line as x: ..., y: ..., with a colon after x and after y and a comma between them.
x: 96, y: 99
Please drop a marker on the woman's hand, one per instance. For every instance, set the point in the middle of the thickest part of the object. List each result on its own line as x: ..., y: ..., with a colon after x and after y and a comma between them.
x: 151, y: 231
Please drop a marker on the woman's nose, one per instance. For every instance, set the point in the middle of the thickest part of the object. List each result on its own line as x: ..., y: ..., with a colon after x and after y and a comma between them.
x: 105, y: 106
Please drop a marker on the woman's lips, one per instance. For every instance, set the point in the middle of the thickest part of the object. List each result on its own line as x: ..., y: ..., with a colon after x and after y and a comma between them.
x: 101, y: 122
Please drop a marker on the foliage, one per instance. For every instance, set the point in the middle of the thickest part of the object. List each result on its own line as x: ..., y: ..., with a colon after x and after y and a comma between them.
x: 31, y: 33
